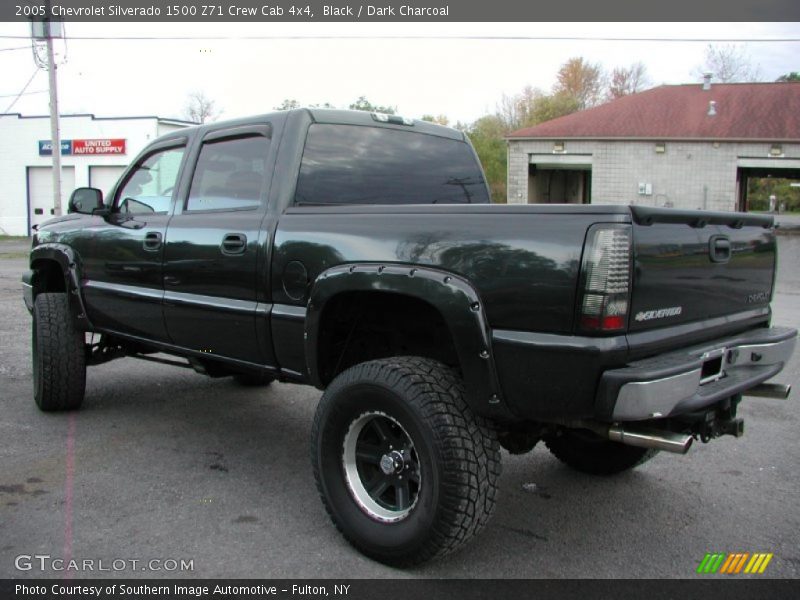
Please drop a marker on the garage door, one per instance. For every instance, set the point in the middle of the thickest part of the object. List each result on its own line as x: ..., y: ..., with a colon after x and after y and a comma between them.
x: 40, y: 192
x: 104, y: 178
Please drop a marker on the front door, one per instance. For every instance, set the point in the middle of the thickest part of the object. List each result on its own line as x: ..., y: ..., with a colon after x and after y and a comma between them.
x: 213, y: 285
x: 122, y: 254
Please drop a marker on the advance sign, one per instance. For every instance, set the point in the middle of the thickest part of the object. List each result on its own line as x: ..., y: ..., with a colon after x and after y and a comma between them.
x: 82, y: 147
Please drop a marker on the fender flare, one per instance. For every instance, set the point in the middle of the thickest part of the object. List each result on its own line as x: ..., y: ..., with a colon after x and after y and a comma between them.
x: 453, y: 296
x: 68, y: 260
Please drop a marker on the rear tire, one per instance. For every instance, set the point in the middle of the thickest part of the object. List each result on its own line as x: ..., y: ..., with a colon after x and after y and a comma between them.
x: 405, y: 470
x: 589, y: 453
x: 59, y: 355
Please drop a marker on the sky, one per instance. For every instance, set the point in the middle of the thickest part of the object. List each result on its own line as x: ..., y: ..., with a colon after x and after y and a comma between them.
x: 457, y: 69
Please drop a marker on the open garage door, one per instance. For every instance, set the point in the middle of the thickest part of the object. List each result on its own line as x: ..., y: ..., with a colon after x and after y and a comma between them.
x: 104, y: 177
x: 554, y: 179
x: 757, y: 179
x: 40, y: 193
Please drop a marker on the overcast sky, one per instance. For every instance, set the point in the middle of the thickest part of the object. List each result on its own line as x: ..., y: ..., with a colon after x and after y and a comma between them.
x: 437, y: 74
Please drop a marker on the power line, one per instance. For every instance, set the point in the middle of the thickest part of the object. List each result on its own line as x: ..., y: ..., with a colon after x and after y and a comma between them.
x: 10, y: 106
x: 14, y: 48
x: 423, y: 37
x: 25, y: 94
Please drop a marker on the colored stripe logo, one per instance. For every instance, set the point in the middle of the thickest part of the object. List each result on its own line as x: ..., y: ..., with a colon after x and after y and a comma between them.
x: 734, y: 563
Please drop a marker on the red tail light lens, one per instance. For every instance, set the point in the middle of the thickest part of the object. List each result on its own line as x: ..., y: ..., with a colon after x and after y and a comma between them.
x: 606, y: 275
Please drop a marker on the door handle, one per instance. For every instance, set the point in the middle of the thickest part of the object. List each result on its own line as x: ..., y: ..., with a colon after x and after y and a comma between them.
x: 152, y: 240
x: 720, y: 249
x: 234, y: 243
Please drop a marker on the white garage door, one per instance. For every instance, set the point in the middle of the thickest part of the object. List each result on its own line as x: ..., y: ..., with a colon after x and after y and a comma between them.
x: 104, y: 178
x: 40, y: 192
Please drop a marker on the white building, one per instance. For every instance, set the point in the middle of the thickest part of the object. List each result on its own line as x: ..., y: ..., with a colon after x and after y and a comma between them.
x: 95, y: 151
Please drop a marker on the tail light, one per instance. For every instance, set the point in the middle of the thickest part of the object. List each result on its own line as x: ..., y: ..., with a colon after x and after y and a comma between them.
x: 606, y: 278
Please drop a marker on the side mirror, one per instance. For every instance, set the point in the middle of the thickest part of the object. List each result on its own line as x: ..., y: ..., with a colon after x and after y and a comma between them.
x: 85, y: 201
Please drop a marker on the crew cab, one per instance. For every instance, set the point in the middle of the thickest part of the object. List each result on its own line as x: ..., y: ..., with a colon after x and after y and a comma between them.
x: 360, y: 253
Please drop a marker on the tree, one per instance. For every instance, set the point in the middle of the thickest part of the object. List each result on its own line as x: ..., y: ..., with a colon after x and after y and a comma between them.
x: 729, y: 63
x: 200, y: 109
x: 438, y: 119
x: 487, y: 137
x: 288, y: 104
x: 581, y: 80
x: 363, y: 104
x: 548, y: 107
x: 625, y: 81
x: 793, y: 76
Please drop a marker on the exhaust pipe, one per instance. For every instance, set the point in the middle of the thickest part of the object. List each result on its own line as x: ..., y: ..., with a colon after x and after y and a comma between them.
x: 779, y: 391
x: 658, y: 440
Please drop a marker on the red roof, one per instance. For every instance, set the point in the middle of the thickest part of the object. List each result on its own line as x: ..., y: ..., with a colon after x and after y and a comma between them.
x: 749, y: 111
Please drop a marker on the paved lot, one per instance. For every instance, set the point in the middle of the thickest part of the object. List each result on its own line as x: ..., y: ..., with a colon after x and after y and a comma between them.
x: 167, y: 464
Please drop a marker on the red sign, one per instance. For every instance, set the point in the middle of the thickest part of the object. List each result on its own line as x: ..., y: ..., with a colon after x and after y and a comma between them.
x: 116, y: 146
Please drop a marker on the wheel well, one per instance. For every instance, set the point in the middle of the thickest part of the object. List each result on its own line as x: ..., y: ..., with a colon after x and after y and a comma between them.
x: 360, y: 326
x: 49, y: 277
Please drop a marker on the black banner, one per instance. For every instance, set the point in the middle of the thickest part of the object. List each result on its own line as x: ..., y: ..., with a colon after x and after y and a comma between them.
x: 399, y: 589
x: 399, y: 11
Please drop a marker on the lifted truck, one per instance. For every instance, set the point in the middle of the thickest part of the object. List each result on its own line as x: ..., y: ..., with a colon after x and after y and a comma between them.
x: 359, y: 253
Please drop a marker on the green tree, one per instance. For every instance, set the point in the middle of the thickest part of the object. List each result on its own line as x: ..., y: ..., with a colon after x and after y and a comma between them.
x: 363, y: 104
x: 793, y: 76
x: 487, y: 135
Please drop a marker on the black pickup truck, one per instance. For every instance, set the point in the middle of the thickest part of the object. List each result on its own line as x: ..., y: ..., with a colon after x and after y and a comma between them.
x: 359, y: 253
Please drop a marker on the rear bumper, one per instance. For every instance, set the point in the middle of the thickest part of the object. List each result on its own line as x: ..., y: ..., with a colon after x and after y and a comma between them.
x: 692, y: 378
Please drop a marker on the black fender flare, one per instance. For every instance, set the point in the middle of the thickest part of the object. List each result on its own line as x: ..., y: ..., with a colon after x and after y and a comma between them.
x: 69, y: 261
x: 453, y: 296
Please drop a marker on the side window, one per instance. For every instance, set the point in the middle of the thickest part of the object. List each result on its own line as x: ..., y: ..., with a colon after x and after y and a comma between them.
x: 149, y: 187
x: 230, y: 174
x: 349, y: 164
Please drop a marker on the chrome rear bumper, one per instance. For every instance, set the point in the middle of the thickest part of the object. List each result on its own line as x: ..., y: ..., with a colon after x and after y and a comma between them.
x: 695, y: 377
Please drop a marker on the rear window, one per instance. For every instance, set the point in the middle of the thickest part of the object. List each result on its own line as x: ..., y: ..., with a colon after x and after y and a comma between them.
x: 350, y: 164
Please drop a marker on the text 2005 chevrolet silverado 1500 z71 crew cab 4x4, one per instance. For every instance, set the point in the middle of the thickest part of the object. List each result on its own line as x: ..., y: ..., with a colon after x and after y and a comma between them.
x: 359, y: 253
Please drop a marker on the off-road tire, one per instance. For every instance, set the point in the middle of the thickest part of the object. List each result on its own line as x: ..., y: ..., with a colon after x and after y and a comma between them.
x: 59, y: 355
x: 588, y: 453
x: 253, y: 379
x: 458, y: 458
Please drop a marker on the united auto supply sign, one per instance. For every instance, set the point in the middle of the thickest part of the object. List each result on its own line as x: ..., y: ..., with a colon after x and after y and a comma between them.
x: 83, y: 147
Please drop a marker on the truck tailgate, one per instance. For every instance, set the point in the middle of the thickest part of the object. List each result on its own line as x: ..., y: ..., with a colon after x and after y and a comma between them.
x: 695, y: 265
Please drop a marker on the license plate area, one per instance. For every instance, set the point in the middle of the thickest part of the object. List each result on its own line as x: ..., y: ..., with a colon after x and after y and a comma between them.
x: 713, y: 368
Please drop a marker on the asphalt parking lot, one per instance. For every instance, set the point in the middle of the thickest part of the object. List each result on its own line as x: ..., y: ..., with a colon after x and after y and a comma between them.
x: 164, y: 464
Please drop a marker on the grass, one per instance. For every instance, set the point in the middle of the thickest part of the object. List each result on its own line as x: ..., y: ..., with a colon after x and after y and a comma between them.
x: 13, y: 238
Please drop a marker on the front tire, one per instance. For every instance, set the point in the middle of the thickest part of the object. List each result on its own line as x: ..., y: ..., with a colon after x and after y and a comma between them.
x: 589, y: 453
x: 405, y: 470
x: 59, y: 355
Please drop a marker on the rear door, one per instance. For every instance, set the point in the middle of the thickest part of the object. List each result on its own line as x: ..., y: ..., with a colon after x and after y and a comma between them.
x: 212, y: 281
x: 692, y: 265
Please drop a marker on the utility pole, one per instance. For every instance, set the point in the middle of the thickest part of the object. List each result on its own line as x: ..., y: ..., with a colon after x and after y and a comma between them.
x: 44, y: 57
x: 55, y: 134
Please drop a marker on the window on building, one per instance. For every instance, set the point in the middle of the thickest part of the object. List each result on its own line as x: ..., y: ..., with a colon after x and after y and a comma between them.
x: 348, y: 164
